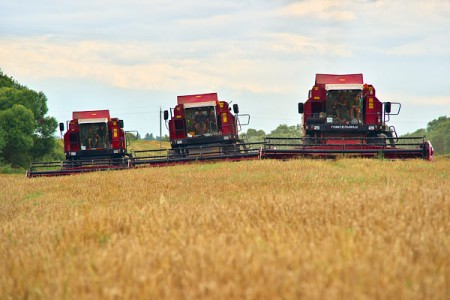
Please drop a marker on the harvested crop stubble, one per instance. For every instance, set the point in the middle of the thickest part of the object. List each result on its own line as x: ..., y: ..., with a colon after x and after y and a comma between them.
x: 350, y: 228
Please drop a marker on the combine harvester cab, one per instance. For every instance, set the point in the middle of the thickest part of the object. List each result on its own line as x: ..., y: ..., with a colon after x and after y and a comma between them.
x: 93, y: 142
x: 201, y: 128
x: 343, y: 116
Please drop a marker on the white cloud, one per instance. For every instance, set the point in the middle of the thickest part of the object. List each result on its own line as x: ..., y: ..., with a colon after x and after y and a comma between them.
x: 326, y: 10
x: 135, y: 66
x: 268, y: 48
x: 287, y: 43
x: 407, y: 99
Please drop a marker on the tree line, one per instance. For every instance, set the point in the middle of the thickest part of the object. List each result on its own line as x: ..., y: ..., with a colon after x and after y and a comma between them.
x: 438, y: 133
x: 147, y: 137
x: 252, y: 135
x: 26, y: 132
x: 283, y: 130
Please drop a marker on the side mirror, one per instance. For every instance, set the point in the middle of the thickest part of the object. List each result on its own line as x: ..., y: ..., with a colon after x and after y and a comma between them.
x: 235, y: 108
x: 387, y: 107
x: 120, y: 123
x: 61, y: 126
x: 166, y: 115
x: 300, y: 108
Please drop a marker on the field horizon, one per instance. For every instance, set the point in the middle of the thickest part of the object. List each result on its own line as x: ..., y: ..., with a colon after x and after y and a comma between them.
x: 349, y: 228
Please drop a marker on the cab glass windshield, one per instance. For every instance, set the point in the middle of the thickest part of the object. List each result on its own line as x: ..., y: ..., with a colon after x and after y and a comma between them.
x: 94, y: 136
x: 201, y: 121
x: 344, y: 106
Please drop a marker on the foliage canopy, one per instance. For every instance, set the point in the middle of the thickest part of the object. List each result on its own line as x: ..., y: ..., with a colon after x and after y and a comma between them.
x: 26, y: 133
x: 438, y: 133
x: 283, y: 130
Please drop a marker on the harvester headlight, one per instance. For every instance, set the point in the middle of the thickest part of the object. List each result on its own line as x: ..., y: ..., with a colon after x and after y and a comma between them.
x: 371, y: 127
x: 116, y: 151
x: 316, y: 127
x: 226, y: 137
x: 179, y: 142
x: 73, y: 153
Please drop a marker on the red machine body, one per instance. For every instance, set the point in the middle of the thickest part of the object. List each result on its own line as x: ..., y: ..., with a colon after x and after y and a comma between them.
x: 342, y: 105
x: 342, y: 115
x: 202, y: 120
x: 94, y: 134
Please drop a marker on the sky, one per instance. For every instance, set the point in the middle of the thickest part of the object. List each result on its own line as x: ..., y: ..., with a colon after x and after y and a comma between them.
x: 135, y: 57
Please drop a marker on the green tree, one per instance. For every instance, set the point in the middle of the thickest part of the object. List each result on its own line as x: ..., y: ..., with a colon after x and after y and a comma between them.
x: 2, y: 144
x: 131, y: 136
x: 32, y: 139
x: 286, y: 131
x: 17, y: 126
x: 149, y: 137
x: 6, y: 81
x: 165, y: 138
x: 437, y: 132
x: 253, y: 135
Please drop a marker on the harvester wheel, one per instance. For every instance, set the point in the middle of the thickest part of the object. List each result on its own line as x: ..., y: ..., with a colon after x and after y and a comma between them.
x: 231, y: 149
x: 308, y: 140
x: 391, y: 139
x: 181, y: 152
x: 120, y: 162
x: 73, y: 163
x: 379, y: 140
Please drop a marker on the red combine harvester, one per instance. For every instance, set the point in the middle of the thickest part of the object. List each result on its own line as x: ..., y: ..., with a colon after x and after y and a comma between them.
x: 94, y: 134
x: 343, y: 116
x: 201, y: 128
x: 93, y: 141
x: 202, y: 120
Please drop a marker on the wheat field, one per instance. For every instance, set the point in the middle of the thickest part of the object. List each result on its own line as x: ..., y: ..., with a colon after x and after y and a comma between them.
x: 299, y: 229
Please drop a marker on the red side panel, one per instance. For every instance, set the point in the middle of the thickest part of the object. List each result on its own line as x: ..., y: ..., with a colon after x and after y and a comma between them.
x: 172, y: 133
x: 318, y: 93
x: 373, y: 106
x: 197, y: 98
x: 67, y: 145
x: 72, y: 144
x: 306, y: 111
x: 177, y: 127
x: 373, y: 110
x: 117, y: 134
x: 93, y: 114
x: 178, y: 112
x: 339, y: 79
x: 226, y: 120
